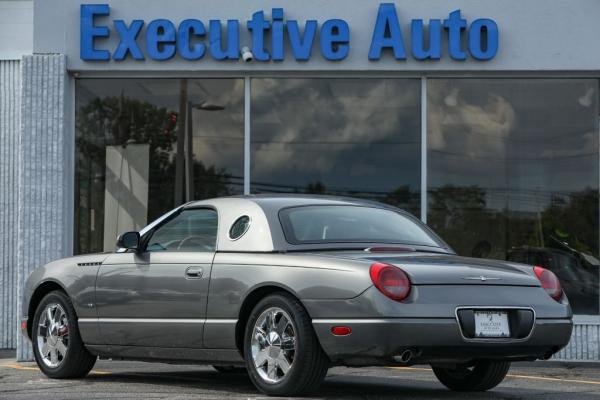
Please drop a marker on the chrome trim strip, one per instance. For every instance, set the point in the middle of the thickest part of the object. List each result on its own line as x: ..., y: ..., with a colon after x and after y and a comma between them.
x: 357, y: 321
x: 221, y: 321
x: 150, y: 320
x: 159, y: 320
x: 494, y: 340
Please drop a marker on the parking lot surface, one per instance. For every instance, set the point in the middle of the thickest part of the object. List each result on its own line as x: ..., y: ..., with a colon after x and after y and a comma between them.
x: 136, y: 380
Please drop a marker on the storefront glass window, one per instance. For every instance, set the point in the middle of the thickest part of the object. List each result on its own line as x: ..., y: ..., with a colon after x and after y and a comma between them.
x: 132, y: 159
x: 345, y: 137
x: 513, y: 174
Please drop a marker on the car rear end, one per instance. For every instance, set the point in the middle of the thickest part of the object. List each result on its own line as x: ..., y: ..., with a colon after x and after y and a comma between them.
x: 441, y: 308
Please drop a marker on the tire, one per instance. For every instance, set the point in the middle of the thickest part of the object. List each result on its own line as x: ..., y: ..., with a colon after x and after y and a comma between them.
x: 308, y: 364
x: 229, y: 369
x: 481, y: 376
x: 76, y: 361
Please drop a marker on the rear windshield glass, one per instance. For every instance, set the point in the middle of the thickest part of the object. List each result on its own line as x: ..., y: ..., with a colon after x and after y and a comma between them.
x: 339, y: 224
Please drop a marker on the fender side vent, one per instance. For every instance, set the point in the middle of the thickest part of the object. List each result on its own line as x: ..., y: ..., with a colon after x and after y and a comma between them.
x: 89, y: 264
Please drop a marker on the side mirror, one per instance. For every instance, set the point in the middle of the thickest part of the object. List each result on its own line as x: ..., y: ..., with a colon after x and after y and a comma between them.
x: 129, y: 240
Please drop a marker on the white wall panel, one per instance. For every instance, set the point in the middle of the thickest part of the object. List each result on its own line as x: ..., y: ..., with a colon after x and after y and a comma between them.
x: 16, y: 29
x: 10, y: 81
x: 45, y: 171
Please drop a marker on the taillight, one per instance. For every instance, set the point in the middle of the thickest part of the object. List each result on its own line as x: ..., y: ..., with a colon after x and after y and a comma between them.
x: 390, y: 280
x: 549, y: 281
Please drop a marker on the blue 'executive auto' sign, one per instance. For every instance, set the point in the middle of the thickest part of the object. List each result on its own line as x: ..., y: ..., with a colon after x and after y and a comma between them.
x: 191, y: 39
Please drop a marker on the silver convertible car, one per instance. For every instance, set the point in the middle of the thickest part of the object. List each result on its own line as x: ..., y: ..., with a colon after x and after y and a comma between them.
x: 287, y: 286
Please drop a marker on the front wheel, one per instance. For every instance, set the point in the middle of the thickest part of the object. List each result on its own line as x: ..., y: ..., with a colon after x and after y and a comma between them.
x: 282, y: 353
x: 57, y: 345
x: 477, y: 377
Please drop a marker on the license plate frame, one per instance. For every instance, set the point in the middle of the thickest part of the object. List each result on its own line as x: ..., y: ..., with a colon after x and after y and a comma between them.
x: 491, y: 324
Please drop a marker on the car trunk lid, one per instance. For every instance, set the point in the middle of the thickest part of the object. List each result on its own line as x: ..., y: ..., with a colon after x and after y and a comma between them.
x: 449, y: 269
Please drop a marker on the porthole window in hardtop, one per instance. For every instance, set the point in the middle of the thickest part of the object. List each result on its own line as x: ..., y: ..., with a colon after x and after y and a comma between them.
x: 239, y: 227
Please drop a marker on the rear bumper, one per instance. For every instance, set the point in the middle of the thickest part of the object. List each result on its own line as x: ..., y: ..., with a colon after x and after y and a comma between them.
x: 431, y: 340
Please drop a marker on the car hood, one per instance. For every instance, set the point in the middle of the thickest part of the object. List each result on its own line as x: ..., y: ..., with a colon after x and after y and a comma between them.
x: 450, y: 269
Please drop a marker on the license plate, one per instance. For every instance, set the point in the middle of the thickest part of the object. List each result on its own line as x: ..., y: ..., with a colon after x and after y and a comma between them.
x: 491, y: 324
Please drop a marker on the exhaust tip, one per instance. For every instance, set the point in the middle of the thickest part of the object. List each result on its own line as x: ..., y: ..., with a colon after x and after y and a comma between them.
x: 406, y: 356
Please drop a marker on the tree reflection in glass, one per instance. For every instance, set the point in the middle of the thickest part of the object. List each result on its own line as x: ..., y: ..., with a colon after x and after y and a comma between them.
x: 126, y: 151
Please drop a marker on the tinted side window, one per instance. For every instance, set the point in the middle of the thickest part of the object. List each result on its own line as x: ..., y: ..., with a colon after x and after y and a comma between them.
x: 192, y: 230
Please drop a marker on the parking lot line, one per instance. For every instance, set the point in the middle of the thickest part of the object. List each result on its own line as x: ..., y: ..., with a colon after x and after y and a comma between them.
x: 547, y: 378
x: 25, y: 368
x: 21, y: 367
x: 519, y: 376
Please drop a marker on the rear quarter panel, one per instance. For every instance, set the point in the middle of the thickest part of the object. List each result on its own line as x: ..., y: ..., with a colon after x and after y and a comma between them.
x: 308, y: 277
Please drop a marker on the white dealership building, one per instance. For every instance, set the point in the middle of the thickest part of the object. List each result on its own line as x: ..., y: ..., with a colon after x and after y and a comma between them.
x: 479, y: 117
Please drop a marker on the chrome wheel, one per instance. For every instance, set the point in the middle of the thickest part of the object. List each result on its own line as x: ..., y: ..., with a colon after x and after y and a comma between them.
x: 53, y: 335
x: 273, y: 344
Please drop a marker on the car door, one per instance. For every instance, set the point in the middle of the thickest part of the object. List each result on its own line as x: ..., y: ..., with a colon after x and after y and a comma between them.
x: 157, y: 296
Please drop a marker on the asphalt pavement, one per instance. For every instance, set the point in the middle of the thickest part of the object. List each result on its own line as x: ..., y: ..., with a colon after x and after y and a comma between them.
x: 136, y: 380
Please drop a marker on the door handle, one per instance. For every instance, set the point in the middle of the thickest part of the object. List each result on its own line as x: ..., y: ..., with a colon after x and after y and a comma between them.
x: 193, y: 273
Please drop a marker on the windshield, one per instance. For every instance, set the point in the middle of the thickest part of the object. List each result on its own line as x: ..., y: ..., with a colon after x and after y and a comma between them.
x: 354, y: 224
